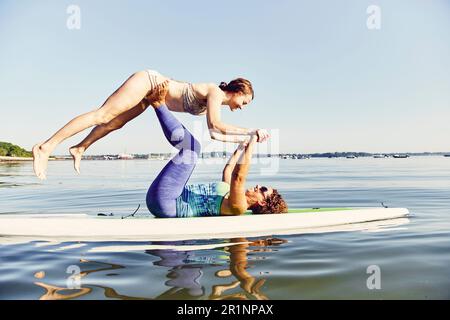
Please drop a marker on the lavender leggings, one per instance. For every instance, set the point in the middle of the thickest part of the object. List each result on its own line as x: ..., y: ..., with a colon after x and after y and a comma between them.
x: 170, y: 182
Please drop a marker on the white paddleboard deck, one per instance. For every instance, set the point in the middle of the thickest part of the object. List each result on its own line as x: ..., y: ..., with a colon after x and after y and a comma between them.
x: 81, y: 227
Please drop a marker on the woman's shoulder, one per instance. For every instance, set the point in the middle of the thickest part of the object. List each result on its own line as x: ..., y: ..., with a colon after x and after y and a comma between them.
x: 204, y: 89
x: 221, y: 187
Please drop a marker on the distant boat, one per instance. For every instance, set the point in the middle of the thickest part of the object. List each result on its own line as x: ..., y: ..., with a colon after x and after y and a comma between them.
x: 378, y: 156
x: 446, y: 155
x: 125, y: 156
x: 351, y: 157
x: 401, y: 156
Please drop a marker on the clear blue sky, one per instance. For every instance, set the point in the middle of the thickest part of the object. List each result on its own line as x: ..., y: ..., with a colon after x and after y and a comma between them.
x: 321, y: 77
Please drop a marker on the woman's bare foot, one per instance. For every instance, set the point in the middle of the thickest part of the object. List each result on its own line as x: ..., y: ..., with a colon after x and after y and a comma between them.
x: 40, y: 160
x: 77, y: 153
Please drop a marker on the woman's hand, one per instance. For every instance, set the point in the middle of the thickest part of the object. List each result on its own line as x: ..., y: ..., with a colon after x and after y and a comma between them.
x: 157, y: 96
x: 262, y: 134
x: 251, y: 139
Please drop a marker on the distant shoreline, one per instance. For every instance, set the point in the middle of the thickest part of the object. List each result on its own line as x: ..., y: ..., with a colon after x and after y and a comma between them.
x: 166, y: 156
x: 5, y: 158
x: 14, y: 159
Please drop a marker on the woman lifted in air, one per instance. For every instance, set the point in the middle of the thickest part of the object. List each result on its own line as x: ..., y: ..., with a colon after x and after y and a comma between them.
x: 169, y: 196
x: 132, y: 98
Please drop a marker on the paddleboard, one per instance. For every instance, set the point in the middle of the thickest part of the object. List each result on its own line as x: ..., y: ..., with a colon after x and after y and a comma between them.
x: 83, y: 227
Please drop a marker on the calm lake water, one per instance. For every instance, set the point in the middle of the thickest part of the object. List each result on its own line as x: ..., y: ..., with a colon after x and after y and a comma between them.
x: 413, y: 259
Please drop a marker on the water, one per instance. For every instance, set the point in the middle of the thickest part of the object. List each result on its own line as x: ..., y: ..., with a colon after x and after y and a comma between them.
x: 413, y: 259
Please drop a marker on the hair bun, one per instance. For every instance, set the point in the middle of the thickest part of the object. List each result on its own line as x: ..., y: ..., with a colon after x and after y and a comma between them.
x: 223, y: 85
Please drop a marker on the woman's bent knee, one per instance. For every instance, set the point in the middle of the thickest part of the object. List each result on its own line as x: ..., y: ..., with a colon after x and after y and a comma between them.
x: 158, y: 211
x: 159, y: 207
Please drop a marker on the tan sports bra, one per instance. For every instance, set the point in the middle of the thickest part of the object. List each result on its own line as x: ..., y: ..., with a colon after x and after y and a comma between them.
x: 191, y: 103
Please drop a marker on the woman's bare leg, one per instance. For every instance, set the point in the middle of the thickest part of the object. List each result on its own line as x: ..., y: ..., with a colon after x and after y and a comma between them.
x: 130, y: 93
x: 102, y: 130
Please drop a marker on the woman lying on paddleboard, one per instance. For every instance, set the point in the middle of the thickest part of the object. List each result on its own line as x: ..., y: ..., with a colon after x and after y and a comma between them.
x: 169, y: 196
x: 131, y: 99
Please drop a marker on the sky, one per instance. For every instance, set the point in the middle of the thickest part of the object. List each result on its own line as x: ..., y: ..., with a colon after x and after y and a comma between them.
x: 324, y: 81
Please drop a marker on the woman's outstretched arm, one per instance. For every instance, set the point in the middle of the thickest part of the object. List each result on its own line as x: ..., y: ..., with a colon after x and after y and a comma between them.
x: 237, y: 201
x: 229, y: 167
x: 221, y: 131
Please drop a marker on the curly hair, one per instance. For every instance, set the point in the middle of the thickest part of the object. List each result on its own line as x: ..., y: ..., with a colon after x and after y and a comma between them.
x: 238, y: 85
x: 274, y: 204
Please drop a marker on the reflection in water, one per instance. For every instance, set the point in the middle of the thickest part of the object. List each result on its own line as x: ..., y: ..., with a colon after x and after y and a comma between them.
x: 61, y: 293
x: 111, y: 293
x: 185, y: 271
x: 185, y: 277
x: 13, y: 164
x: 238, y: 268
x: 10, y: 171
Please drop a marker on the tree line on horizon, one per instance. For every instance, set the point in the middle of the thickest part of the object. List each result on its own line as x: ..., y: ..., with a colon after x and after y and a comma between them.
x: 11, y: 150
